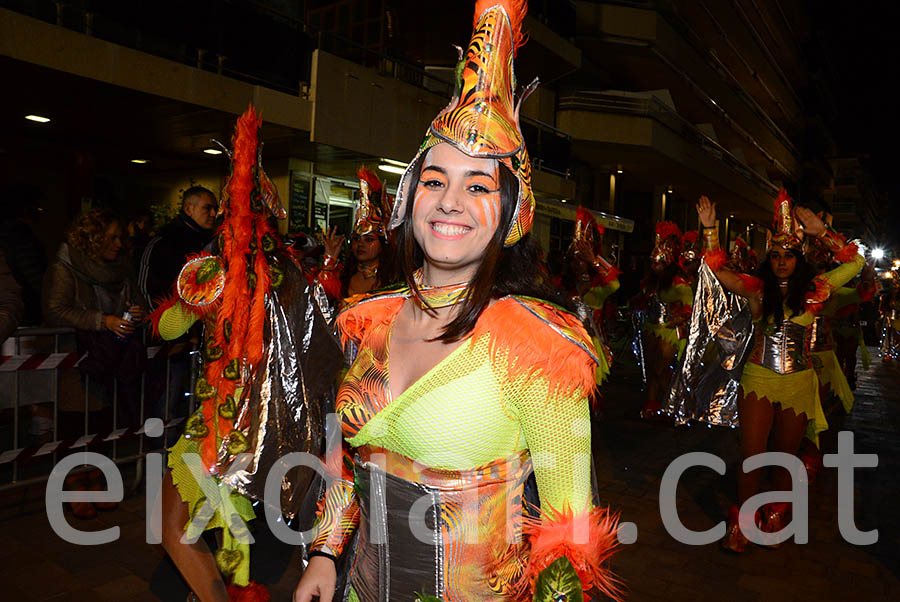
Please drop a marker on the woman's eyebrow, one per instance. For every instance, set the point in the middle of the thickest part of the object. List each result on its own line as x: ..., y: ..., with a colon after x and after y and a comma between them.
x: 472, y: 173
x: 435, y: 168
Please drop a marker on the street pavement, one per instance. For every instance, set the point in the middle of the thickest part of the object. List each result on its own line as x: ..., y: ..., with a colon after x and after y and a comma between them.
x: 630, y: 458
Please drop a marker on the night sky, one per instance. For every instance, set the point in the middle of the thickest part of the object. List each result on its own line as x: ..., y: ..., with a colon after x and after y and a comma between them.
x: 862, y: 41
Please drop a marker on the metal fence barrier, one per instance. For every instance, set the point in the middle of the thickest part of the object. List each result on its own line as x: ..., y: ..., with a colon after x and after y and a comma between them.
x: 49, y: 407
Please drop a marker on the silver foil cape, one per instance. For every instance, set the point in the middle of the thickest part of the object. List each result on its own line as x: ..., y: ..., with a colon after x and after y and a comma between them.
x: 705, y: 388
x: 290, y: 393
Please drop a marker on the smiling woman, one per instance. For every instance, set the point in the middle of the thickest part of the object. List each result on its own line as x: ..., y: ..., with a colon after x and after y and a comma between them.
x: 462, y: 376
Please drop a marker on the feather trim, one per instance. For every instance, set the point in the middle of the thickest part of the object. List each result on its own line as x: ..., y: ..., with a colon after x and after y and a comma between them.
x: 515, y: 9
x: 355, y: 320
x: 375, y: 185
x: 588, y: 540
x: 611, y: 275
x: 817, y: 297
x: 666, y: 229
x: 680, y: 281
x: 716, y: 260
x: 690, y: 237
x: 751, y: 283
x: 252, y: 592
x: 847, y: 254
x: 536, y: 345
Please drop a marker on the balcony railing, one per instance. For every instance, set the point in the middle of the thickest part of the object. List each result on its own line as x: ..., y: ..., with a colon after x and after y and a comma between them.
x: 655, y: 109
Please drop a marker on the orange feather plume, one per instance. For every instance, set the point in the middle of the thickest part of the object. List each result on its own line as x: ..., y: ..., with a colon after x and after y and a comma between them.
x: 516, y: 9
x: 716, y: 260
x: 375, y: 185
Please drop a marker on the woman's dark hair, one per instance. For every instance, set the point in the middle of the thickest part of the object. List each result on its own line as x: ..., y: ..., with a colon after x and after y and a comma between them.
x: 504, y: 270
x: 386, y: 274
x: 799, y: 284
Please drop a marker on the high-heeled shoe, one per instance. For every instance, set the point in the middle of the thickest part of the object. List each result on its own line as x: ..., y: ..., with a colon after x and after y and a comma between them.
x: 734, y: 540
x: 772, y: 519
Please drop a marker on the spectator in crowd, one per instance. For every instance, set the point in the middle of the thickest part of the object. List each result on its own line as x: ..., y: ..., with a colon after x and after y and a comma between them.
x: 139, y: 235
x: 90, y: 287
x: 24, y: 254
x: 11, y: 306
x: 187, y: 233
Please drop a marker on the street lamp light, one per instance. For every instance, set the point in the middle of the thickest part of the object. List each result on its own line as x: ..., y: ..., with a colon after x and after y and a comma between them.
x: 878, y: 254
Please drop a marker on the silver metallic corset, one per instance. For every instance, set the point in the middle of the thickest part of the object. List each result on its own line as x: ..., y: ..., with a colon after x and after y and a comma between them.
x: 657, y: 311
x: 782, y: 350
x: 820, y: 338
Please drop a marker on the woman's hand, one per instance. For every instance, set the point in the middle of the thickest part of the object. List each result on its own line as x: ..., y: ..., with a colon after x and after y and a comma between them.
x: 333, y: 242
x: 117, y: 325
x: 138, y: 314
x: 812, y: 223
x: 319, y: 579
x: 706, y: 211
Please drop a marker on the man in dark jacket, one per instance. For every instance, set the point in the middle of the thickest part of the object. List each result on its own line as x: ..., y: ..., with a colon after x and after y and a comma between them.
x: 186, y: 234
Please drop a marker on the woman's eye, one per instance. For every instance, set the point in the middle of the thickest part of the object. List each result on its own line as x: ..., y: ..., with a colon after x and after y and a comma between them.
x: 478, y: 189
x: 432, y: 183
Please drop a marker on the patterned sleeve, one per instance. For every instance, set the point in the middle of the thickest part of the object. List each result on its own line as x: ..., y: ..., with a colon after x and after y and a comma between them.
x: 338, y: 515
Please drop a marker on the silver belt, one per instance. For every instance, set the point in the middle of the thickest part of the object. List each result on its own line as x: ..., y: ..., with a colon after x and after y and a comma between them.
x: 657, y: 311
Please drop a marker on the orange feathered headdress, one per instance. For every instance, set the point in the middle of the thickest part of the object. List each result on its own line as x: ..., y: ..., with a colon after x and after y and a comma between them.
x: 668, y: 243
x: 482, y: 119
x: 586, y: 227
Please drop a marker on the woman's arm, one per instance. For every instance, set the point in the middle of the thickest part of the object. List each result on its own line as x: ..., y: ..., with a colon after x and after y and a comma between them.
x: 59, y: 302
x: 739, y: 284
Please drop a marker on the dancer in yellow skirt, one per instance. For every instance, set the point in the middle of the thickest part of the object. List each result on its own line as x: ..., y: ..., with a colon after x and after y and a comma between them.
x: 779, y: 388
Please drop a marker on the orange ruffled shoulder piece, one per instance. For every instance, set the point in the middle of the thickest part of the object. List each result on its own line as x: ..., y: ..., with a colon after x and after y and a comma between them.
x: 538, y: 338
x: 362, y: 311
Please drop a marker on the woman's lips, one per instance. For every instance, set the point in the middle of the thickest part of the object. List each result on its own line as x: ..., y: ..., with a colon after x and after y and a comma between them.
x: 449, y: 231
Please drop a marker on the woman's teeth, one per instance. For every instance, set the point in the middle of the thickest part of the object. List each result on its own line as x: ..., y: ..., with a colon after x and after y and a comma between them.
x: 449, y: 229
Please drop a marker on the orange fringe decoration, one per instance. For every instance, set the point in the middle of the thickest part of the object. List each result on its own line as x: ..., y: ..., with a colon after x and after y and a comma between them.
x: 252, y: 592
x: 847, y: 254
x: 816, y: 298
x: 690, y: 237
x: 666, y: 229
x: 516, y: 9
x: 751, y: 283
x: 354, y: 321
x: 554, y: 534
x: 716, y: 260
x: 532, y: 347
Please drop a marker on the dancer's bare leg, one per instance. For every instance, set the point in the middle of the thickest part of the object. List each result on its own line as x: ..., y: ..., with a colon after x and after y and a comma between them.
x: 756, y: 415
x: 789, y: 431
x: 195, y: 562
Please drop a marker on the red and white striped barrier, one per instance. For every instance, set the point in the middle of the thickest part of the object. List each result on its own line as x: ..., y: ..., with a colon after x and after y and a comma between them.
x: 49, y: 361
x: 24, y: 453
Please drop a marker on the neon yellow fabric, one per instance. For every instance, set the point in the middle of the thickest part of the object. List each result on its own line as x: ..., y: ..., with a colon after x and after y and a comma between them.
x: 677, y: 293
x: 458, y: 416
x: 829, y: 372
x: 596, y: 297
x: 798, y: 391
x: 192, y: 495
x: 175, y: 321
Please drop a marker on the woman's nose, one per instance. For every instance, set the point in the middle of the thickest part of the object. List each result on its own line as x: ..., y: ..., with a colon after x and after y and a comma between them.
x: 451, y: 200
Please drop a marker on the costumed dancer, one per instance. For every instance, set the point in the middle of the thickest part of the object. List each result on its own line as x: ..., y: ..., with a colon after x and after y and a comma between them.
x: 596, y: 280
x: 847, y: 326
x: 779, y: 388
x: 463, y: 375
x: 269, y: 361
x: 369, y: 264
x: 665, y: 300
x: 689, y: 259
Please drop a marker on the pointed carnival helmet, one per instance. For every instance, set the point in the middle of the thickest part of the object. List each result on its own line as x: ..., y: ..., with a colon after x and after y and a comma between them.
x: 374, y: 205
x: 482, y: 119
x: 690, y: 247
x: 587, y: 229
x: 785, y: 226
x: 668, y: 243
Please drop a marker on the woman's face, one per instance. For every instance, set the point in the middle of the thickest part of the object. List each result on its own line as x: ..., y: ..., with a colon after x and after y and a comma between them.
x: 365, y: 248
x: 112, y: 242
x: 783, y: 261
x: 456, y: 210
